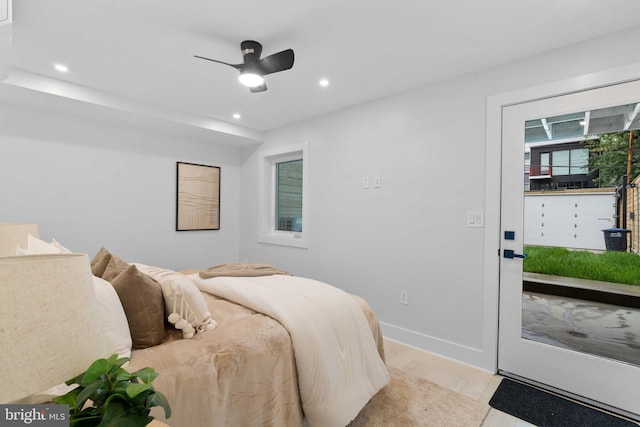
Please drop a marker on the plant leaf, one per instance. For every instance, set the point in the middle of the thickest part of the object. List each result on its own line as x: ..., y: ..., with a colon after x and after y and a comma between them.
x: 146, y: 374
x: 88, y: 393
x: 70, y: 399
x: 97, y: 368
x: 112, y: 359
x: 75, y: 380
x: 119, y: 362
x: 135, y: 389
x: 159, y: 399
x: 119, y: 414
x: 123, y: 375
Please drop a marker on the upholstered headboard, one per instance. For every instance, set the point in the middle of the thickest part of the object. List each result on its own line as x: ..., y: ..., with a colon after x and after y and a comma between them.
x: 12, y: 235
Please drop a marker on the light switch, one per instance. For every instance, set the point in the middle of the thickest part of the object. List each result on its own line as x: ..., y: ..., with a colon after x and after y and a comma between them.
x: 365, y: 182
x: 475, y: 219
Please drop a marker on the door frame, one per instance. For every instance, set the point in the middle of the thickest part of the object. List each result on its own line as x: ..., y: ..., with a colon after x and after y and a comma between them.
x: 493, y: 173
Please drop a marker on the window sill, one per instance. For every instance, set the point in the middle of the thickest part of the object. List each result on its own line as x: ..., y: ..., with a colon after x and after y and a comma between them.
x: 296, y: 240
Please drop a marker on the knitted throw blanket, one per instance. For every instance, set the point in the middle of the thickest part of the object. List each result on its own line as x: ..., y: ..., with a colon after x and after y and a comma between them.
x: 241, y: 269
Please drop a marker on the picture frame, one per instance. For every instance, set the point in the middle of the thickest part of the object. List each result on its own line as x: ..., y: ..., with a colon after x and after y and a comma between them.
x: 197, y: 197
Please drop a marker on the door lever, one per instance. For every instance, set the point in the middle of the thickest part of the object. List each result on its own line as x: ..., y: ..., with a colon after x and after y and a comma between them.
x: 509, y: 253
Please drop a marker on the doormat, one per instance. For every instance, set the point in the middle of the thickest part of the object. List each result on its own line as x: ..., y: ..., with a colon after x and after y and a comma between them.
x: 548, y: 410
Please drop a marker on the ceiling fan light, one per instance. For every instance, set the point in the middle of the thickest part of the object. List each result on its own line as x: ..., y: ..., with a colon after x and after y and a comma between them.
x: 251, y: 79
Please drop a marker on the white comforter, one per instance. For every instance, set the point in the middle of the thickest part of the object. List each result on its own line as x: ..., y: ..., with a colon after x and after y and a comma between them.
x: 339, y: 368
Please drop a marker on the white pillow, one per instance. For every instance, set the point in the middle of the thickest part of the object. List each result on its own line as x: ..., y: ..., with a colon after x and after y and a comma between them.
x: 182, y: 300
x: 61, y: 248
x: 112, y: 320
x: 36, y: 246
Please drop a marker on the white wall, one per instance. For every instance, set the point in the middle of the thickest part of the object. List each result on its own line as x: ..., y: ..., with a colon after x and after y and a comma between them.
x: 429, y: 147
x: 89, y: 183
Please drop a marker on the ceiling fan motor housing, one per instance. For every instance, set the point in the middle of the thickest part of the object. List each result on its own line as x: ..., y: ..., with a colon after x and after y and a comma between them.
x: 251, y: 51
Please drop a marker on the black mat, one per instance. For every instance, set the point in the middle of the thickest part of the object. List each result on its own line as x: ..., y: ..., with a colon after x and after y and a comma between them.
x: 547, y: 410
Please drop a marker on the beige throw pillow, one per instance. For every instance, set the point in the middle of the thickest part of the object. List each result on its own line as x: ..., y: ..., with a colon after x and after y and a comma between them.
x: 100, y: 261
x: 142, y: 301
x: 115, y: 266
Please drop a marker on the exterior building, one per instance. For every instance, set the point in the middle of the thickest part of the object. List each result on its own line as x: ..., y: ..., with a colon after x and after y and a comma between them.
x: 560, y: 166
x: 556, y: 157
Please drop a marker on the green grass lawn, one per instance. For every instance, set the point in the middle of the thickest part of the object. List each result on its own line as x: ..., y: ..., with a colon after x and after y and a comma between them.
x: 610, y: 266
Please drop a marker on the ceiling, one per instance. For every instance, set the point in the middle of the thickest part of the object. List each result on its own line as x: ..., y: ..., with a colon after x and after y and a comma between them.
x: 137, y: 56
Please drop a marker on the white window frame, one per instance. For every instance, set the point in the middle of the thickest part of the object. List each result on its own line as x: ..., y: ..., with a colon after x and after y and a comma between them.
x: 267, y: 195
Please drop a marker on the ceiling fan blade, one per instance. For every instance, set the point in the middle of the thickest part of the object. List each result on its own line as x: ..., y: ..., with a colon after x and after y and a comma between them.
x: 277, y: 62
x: 238, y: 67
x: 260, y: 88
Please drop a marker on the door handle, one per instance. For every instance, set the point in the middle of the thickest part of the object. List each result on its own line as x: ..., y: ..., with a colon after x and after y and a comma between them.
x: 509, y: 253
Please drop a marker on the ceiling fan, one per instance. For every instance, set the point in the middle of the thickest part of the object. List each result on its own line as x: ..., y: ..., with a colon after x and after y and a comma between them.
x: 253, y: 69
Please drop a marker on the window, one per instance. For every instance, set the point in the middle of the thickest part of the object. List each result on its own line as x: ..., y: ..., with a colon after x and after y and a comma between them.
x: 560, y: 163
x: 570, y: 162
x: 289, y: 196
x: 544, y: 164
x: 579, y: 161
x: 283, y: 196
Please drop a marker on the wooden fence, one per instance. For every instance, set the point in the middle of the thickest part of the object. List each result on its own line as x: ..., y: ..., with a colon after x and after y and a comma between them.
x: 633, y: 210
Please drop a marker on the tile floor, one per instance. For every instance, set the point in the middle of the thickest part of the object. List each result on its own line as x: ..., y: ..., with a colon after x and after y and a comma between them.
x: 455, y: 376
x: 464, y: 379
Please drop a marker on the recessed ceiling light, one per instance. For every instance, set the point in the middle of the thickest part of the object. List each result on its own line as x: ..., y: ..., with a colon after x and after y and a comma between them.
x: 324, y: 82
x: 236, y: 116
x: 61, y: 67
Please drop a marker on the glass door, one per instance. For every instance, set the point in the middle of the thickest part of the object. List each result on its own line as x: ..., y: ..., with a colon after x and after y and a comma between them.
x: 580, y: 335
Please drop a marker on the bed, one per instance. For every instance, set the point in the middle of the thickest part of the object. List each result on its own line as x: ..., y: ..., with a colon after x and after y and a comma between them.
x: 238, y: 365
x: 242, y: 373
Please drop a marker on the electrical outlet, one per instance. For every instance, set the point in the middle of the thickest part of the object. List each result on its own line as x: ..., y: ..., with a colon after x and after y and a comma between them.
x: 377, y: 181
x: 404, y: 297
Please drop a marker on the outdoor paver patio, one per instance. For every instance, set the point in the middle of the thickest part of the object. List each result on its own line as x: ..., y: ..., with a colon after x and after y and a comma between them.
x: 596, y: 328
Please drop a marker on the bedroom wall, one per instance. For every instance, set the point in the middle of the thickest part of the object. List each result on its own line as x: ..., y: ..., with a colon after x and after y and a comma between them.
x: 89, y: 183
x: 428, y: 145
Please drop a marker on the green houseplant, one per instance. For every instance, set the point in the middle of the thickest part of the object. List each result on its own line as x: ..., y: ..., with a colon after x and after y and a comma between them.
x: 109, y: 396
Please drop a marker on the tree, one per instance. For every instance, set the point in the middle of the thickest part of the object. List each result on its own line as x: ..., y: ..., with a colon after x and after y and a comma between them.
x: 608, y: 154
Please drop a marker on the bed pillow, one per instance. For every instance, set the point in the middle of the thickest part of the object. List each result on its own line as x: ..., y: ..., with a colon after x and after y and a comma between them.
x: 184, y: 304
x: 142, y: 301
x: 63, y: 250
x: 100, y: 261
x: 112, y: 320
x: 36, y: 246
x: 115, y: 266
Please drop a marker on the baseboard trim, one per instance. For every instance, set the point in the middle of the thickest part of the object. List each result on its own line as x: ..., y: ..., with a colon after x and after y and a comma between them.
x: 460, y: 353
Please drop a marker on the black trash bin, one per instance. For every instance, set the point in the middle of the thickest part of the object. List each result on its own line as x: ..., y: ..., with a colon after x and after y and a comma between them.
x: 615, y: 239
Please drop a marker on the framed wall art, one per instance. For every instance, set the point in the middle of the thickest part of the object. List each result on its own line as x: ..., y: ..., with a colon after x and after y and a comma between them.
x: 197, y: 197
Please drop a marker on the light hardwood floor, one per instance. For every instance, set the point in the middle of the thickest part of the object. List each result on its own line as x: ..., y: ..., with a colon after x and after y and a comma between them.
x: 455, y: 376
